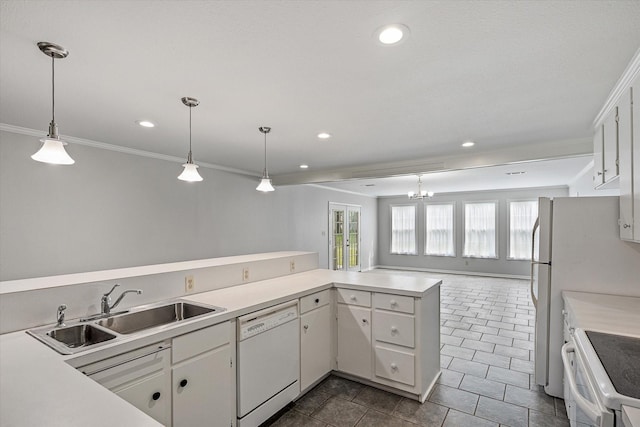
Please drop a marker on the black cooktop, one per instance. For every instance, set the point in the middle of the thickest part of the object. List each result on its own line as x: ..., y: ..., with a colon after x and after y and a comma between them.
x: 620, y: 356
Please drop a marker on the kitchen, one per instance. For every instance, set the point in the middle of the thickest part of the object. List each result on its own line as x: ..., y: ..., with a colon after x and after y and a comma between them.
x: 124, y: 201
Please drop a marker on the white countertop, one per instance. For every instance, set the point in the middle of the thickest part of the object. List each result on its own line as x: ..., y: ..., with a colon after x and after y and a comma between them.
x: 38, y: 387
x: 604, y: 313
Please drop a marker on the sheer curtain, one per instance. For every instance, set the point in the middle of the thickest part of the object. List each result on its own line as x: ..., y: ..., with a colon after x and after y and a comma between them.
x: 480, y: 230
x: 403, y: 230
x: 522, y: 216
x: 439, y: 230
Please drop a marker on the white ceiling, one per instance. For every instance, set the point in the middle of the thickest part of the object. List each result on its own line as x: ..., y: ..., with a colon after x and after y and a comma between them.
x: 503, y: 73
x: 547, y: 173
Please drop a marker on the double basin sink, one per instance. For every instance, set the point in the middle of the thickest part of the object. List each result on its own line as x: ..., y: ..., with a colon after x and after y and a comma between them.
x: 85, y: 335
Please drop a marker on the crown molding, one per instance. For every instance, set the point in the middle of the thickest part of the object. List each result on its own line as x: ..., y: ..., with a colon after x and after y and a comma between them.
x: 117, y: 148
x: 624, y: 82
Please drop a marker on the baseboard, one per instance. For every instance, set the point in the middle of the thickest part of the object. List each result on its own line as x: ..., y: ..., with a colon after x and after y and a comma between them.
x: 464, y: 273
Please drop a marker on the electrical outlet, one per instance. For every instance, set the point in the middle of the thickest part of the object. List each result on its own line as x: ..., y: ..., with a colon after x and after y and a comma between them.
x: 189, y: 284
x: 245, y: 274
x: 292, y: 266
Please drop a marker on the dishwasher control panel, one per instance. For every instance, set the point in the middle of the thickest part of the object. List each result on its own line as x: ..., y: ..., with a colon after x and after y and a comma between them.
x: 264, y: 320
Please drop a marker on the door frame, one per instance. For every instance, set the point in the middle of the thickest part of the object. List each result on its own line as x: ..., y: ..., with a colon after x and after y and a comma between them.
x: 345, y: 207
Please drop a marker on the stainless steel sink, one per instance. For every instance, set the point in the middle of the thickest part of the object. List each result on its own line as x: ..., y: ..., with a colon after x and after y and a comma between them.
x: 156, y: 316
x: 71, y: 339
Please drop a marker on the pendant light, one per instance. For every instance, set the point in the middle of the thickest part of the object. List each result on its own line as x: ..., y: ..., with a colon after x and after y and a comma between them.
x: 421, y: 194
x: 190, y: 172
x: 265, y: 183
x: 52, y: 150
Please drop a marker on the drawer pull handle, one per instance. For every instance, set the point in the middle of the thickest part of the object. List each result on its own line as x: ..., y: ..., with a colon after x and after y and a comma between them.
x: 352, y: 297
x: 394, y: 367
x: 156, y: 395
x: 364, y: 320
x: 306, y: 327
x: 184, y: 383
x: 626, y: 226
x: 394, y: 330
x: 317, y: 300
x: 393, y: 303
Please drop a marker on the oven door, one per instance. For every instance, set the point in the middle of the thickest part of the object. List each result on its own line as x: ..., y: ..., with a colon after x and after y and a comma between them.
x: 584, y: 408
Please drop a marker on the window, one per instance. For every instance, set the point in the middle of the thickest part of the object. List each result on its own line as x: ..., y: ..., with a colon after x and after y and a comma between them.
x: 480, y: 230
x: 522, y: 216
x: 403, y: 230
x: 439, y: 230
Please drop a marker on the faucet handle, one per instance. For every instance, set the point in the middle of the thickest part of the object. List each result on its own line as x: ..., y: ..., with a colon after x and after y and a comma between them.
x: 112, y: 289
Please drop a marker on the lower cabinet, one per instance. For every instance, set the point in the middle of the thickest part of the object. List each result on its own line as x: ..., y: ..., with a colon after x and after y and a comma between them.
x: 354, y: 340
x: 187, y: 381
x: 315, y: 345
x: 201, y: 390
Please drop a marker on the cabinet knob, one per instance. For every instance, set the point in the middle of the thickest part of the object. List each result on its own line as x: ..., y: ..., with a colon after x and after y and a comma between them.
x: 394, y: 330
x: 394, y: 367
x: 156, y: 395
x: 393, y: 303
x: 626, y: 226
x: 352, y: 297
x: 306, y: 327
x: 317, y: 300
x: 184, y: 383
x: 599, y: 173
x: 364, y: 320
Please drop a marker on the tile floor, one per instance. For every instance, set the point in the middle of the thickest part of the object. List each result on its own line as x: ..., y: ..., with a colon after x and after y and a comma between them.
x: 486, y: 356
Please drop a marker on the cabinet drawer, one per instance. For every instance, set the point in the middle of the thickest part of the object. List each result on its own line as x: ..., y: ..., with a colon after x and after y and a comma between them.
x: 394, y: 328
x: 194, y: 343
x: 353, y: 297
x: 134, y: 370
x: 393, y: 302
x: 395, y: 365
x: 314, y: 301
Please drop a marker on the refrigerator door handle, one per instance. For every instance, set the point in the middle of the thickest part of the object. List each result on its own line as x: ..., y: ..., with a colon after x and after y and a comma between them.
x: 533, y: 261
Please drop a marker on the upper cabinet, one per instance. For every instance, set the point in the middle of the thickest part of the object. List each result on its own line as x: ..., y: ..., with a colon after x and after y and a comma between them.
x: 616, y: 148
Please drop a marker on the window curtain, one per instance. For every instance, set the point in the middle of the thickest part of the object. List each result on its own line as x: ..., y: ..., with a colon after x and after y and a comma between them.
x: 480, y: 230
x: 439, y: 230
x: 522, y: 216
x: 403, y: 230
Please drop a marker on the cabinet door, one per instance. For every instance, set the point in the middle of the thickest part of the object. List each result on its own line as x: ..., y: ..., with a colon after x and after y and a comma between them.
x: 315, y: 345
x: 202, y: 390
x: 152, y: 396
x: 611, y: 146
x: 354, y: 340
x: 598, y: 157
x: 626, y: 167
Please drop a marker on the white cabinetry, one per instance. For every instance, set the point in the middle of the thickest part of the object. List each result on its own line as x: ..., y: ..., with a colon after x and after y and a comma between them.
x: 635, y: 147
x: 610, y: 148
x: 315, y: 338
x: 598, y: 157
x: 141, y: 377
x: 396, y: 343
x: 354, y: 340
x: 202, y: 378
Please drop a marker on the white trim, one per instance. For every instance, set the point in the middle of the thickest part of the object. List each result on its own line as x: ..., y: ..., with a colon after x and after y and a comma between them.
x: 458, y: 272
x: 496, y: 211
x: 459, y: 193
x: 324, y: 187
x: 120, y: 149
x: 624, y: 82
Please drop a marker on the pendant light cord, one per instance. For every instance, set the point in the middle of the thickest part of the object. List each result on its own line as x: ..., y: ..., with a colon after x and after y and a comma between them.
x: 266, y: 174
x: 53, y: 90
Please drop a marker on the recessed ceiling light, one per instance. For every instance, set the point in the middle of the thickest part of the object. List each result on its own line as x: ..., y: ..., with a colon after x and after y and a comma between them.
x: 468, y: 144
x: 324, y: 135
x: 304, y: 166
x: 392, y: 34
x: 146, y: 123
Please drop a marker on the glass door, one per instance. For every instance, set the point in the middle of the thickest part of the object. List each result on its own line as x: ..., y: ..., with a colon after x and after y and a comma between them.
x: 344, y: 237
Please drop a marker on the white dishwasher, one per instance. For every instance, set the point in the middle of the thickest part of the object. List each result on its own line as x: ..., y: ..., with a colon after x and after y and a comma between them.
x: 268, y: 362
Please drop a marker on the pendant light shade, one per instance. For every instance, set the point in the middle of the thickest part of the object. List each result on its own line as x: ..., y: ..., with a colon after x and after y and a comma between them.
x: 265, y: 183
x: 190, y: 172
x: 52, y: 150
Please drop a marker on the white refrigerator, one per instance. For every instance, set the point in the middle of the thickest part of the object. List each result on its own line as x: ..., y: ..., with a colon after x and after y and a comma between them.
x: 577, y: 247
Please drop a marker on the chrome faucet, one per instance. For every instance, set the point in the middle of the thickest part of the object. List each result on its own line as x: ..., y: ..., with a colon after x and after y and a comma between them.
x: 60, y: 316
x: 105, y: 308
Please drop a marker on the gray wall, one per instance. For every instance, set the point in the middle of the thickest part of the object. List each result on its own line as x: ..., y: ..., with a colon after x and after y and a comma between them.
x: 113, y: 210
x: 500, y: 266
